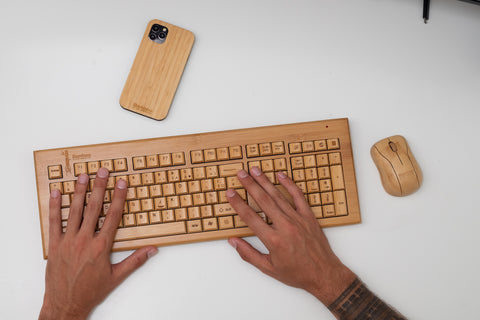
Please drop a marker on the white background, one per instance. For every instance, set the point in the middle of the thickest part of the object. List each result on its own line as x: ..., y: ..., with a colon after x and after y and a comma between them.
x: 62, y: 68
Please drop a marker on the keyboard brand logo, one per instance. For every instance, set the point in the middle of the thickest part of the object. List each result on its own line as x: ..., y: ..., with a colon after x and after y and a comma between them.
x: 68, y: 157
x: 140, y: 108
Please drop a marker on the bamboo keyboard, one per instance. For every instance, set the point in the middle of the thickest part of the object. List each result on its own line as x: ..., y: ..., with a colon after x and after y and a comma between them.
x: 177, y: 185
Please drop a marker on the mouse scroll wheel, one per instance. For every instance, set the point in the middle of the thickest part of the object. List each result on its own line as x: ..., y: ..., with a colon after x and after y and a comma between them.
x: 393, y: 146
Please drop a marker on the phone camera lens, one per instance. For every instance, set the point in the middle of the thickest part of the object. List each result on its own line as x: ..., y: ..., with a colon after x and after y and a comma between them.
x: 152, y: 36
x: 162, y: 35
x: 156, y: 27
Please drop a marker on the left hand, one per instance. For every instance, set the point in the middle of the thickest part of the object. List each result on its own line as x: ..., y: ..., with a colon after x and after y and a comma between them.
x: 79, y: 273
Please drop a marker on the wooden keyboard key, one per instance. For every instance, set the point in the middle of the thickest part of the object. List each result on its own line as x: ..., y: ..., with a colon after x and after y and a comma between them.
x: 120, y: 165
x: 186, y: 200
x: 252, y: 150
x: 142, y: 192
x: 199, y: 173
x: 333, y: 144
x: 278, y: 148
x: 79, y: 168
x: 223, y: 209
x: 227, y: 170
x: 307, y: 146
x: 222, y: 154
x: 194, y: 226
x: 322, y: 160
x: 334, y: 158
x: 186, y: 174
x: 142, y: 218
x: 173, y: 202
x: 206, y: 211
x: 210, y: 224
x: 267, y: 165
x: 297, y: 163
x: 134, y: 206
x: 211, y: 171
x: 327, y: 197
x: 210, y: 155
x: 225, y: 222
x: 69, y: 186
x: 295, y: 147
x: 340, y: 203
x: 131, y: 193
x: 207, y: 185
x: 173, y: 175
x: 265, y: 149
x: 311, y: 174
x: 323, y: 172
x: 165, y: 160
x: 56, y: 185
x: 309, y: 161
x: 148, y: 178
x: 149, y: 231
x: 329, y: 210
x: 178, y: 158
x: 199, y: 199
x: 134, y: 180
x: 65, y: 200
x: 152, y: 161
x: 233, y: 183
x: 181, y: 214
x: 235, y: 152
x: 160, y: 177
x: 325, y: 185
x: 139, y: 163
x: 219, y: 184
x: 280, y: 164
x: 155, y: 217
x: 194, y: 186
x: 194, y: 213
x: 55, y: 172
x: 107, y: 164
x: 211, y: 197
x: 337, y: 177
x: 168, y: 189
x: 314, y: 199
x: 181, y: 188
x: 197, y: 156
x: 320, y: 145
x: 168, y: 215
x: 128, y: 220
x: 147, y: 204
x: 239, y: 223
x: 160, y: 203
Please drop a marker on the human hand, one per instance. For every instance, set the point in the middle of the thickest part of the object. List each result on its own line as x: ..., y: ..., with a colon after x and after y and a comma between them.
x: 299, y: 253
x: 79, y: 274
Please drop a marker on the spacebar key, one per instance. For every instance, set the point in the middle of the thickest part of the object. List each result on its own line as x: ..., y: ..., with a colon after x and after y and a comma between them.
x: 151, y: 231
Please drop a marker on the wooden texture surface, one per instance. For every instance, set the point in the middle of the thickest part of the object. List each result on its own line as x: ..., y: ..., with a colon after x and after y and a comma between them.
x: 302, y: 142
x: 156, y: 72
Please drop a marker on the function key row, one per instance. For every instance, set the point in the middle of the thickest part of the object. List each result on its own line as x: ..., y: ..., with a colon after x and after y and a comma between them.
x: 158, y: 160
x: 216, y: 154
x: 91, y: 167
x: 265, y: 149
x: 311, y: 146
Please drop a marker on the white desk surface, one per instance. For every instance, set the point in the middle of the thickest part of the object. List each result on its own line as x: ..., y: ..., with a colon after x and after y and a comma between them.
x: 62, y: 68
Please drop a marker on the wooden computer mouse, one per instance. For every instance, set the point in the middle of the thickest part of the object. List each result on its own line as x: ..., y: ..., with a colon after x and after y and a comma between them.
x: 399, y: 171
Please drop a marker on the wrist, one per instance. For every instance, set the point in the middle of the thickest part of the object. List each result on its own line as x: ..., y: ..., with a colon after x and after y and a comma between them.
x: 332, y: 284
x: 52, y: 311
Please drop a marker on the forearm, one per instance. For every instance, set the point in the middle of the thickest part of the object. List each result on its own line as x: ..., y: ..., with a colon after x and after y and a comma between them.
x: 358, y: 302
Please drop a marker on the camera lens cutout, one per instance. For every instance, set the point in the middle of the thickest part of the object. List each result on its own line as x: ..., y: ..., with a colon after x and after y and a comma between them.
x: 158, y: 33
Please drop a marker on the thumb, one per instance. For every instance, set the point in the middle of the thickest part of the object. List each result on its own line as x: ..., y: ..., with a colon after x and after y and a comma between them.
x: 134, y: 261
x: 251, y: 255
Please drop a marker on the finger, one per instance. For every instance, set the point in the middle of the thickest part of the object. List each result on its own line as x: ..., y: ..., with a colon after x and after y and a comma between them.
x: 95, y: 202
x: 55, y: 220
x: 134, y: 261
x: 115, y: 211
x: 274, y: 192
x: 297, y: 194
x: 75, y: 214
x: 261, y: 197
x: 250, y: 217
x: 251, y: 255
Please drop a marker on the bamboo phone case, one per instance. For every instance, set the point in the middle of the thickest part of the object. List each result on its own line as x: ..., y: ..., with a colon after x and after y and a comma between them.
x: 157, y: 69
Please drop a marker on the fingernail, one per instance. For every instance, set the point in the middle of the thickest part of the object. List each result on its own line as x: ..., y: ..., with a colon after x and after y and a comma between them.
x: 256, y: 171
x: 281, y: 175
x: 83, y: 178
x: 230, y: 193
x: 55, y: 193
x: 242, y: 174
x: 121, y: 184
x: 233, y: 243
x: 152, y: 252
x: 102, y: 173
